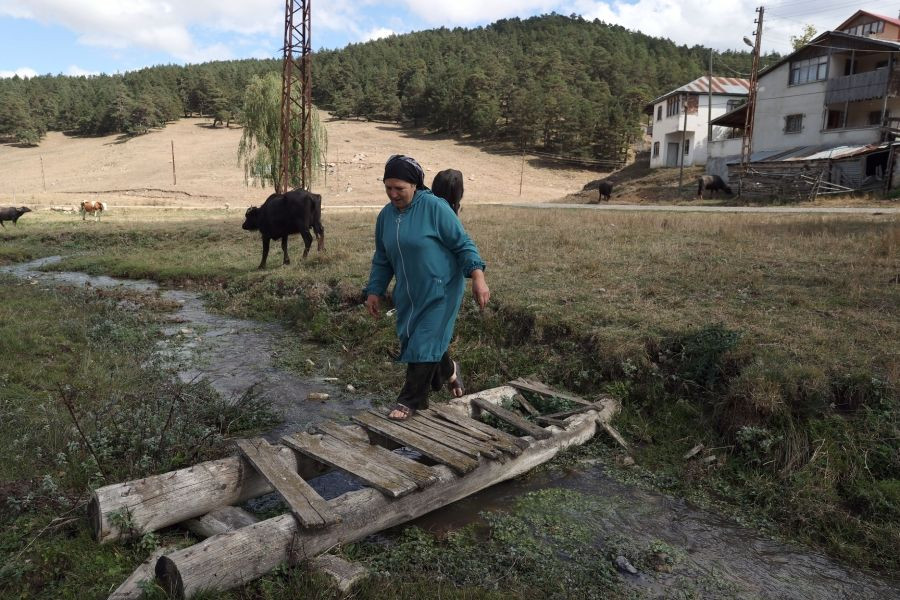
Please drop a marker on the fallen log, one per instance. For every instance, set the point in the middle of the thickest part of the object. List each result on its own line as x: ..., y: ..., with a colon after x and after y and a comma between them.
x: 231, y: 559
x: 151, y: 503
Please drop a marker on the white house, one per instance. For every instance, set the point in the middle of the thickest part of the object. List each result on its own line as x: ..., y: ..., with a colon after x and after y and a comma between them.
x: 680, y: 119
x: 839, y: 95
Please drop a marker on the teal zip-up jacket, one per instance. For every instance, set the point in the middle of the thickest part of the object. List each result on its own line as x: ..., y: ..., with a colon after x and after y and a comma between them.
x: 429, y: 253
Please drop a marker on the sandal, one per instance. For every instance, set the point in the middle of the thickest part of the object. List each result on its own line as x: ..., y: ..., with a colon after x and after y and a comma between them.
x: 405, y: 412
x: 456, y: 385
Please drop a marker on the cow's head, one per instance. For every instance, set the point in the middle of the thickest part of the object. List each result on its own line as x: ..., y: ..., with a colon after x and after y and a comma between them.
x: 728, y: 190
x: 22, y: 210
x: 251, y: 219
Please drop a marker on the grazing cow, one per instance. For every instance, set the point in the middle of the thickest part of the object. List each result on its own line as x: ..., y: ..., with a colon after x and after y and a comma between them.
x: 605, y: 188
x: 283, y: 214
x: 93, y: 207
x: 448, y: 184
x: 11, y: 213
x: 713, y: 183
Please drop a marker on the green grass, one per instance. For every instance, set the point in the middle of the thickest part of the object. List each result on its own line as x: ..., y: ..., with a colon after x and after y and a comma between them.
x: 771, y: 339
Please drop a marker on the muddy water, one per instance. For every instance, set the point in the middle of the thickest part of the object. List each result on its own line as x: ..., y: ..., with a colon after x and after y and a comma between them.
x: 715, y: 558
x: 233, y: 355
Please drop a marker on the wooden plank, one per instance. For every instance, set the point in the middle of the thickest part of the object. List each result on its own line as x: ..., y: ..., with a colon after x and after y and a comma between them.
x: 511, y: 444
x: 454, y: 459
x: 537, y: 387
x: 526, y: 405
x: 615, y: 435
x: 225, y: 518
x: 431, y: 417
x: 538, y: 433
x: 421, y: 474
x: 449, y: 437
x: 551, y: 421
x: 339, y: 455
x: 307, y: 506
x: 132, y: 588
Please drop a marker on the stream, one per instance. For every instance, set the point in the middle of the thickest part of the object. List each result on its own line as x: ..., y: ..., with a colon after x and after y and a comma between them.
x: 235, y: 354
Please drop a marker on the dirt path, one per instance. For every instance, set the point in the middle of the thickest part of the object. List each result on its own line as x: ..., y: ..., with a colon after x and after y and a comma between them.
x: 64, y: 170
x: 853, y: 210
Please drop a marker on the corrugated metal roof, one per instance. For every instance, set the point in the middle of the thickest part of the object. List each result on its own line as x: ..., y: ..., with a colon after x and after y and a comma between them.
x: 891, y: 20
x: 720, y: 85
x: 817, y: 152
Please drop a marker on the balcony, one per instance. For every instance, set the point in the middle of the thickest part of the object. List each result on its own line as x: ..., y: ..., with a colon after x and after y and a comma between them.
x: 853, y: 88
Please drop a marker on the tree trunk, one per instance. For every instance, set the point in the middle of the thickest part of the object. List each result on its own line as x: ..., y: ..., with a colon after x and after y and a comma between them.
x: 228, y: 560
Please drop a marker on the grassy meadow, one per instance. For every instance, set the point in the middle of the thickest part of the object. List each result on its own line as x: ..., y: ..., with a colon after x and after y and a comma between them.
x: 770, y: 339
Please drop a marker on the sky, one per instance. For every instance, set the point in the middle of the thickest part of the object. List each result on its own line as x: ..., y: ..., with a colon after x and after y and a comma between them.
x: 84, y: 37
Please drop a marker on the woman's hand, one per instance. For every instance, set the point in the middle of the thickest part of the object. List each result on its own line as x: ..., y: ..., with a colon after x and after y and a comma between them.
x: 373, y: 304
x: 480, y: 290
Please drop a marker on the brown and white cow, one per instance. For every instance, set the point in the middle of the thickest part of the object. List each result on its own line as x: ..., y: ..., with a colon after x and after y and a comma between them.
x: 94, y: 207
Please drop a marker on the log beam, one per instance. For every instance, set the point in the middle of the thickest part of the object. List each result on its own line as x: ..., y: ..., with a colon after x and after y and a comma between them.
x: 232, y: 559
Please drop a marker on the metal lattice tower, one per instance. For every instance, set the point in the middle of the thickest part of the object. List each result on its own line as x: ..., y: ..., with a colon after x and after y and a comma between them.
x: 747, y: 140
x: 296, y: 97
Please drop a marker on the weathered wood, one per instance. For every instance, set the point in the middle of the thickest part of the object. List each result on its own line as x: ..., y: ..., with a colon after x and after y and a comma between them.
x: 337, y: 454
x: 355, y: 437
x: 538, y: 433
x: 526, y: 405
x: 344, y: 574
x: 615, y: 435
x: 598, y: 405
x: 225, y: 518
x: 159, y: 501
x: 131, y: 587
x: 537, y: 387
x: 454, y: 440
x: 693, y: 451
x: 511, y: 444
x: 227, y: 560
x: 307, y: 506
x: 163, y: 500
x: 436, y: 451
x: 430, y: 417
x: 551, y: 421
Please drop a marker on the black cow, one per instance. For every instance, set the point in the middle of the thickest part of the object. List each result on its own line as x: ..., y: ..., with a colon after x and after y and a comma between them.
x: 448, y: 184
x: 605, y: 188
x: 281, y: 215
x: 11, y: 213
x: 713, y: 183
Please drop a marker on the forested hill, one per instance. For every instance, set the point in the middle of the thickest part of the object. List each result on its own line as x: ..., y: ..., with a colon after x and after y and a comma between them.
x: 558, y: 83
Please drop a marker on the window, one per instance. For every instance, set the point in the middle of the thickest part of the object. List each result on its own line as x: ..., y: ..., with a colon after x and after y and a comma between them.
x: 881, y: 64
x: 733, y: 104
x: 673, y: 106
x: 834, y: 119
x: 811, y: 69
x: 866, y: 28
x: 687, y: 147
x: 851, y: 67
x: 659, y: 113
x: 793, y: 123
x: 875, y: 117
x: 655, y: 149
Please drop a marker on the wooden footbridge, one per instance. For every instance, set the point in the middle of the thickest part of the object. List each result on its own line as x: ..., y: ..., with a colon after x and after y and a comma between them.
x: 455, y: 455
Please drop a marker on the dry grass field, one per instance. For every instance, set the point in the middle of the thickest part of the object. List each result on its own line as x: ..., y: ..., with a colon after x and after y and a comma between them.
x: 138, y: 171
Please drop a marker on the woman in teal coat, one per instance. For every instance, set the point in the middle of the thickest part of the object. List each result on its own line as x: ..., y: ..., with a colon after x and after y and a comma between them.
x: 420, y: 242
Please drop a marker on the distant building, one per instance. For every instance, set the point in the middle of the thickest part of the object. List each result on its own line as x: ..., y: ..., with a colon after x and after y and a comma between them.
x: 671, y: 140
x: 834, y: 102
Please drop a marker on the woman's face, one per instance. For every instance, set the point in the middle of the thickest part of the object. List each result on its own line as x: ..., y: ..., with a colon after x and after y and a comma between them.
x: 400, y: 192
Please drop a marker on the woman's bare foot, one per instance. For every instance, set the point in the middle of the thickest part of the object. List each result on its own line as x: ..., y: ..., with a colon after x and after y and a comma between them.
x: 455, y: 383
x: 401, y: 412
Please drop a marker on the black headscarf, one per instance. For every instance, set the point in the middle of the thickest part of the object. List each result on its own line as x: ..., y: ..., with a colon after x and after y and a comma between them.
x: 406, y: 169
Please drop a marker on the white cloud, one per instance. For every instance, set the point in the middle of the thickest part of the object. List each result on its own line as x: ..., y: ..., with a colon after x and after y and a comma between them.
x: 76, y: 71
x: 466, y: 12
x: 23, y: 72
x: 720, y: 24
x: 377, y: 33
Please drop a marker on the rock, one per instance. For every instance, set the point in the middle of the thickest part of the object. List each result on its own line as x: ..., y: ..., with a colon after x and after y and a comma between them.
x: 623, y: 565
x: 627, y: 462
x: 350, y: 388
x: 186, y: 331
x: 317, y: 396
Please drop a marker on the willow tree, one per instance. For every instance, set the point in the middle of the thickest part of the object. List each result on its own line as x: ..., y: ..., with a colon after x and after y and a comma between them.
x: 260, y: 147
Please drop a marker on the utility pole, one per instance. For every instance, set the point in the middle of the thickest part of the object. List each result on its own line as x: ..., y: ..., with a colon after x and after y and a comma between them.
x: 684, y: 107
x: 296, y: 94
x: 709, y: 106
x: 747, y: 141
